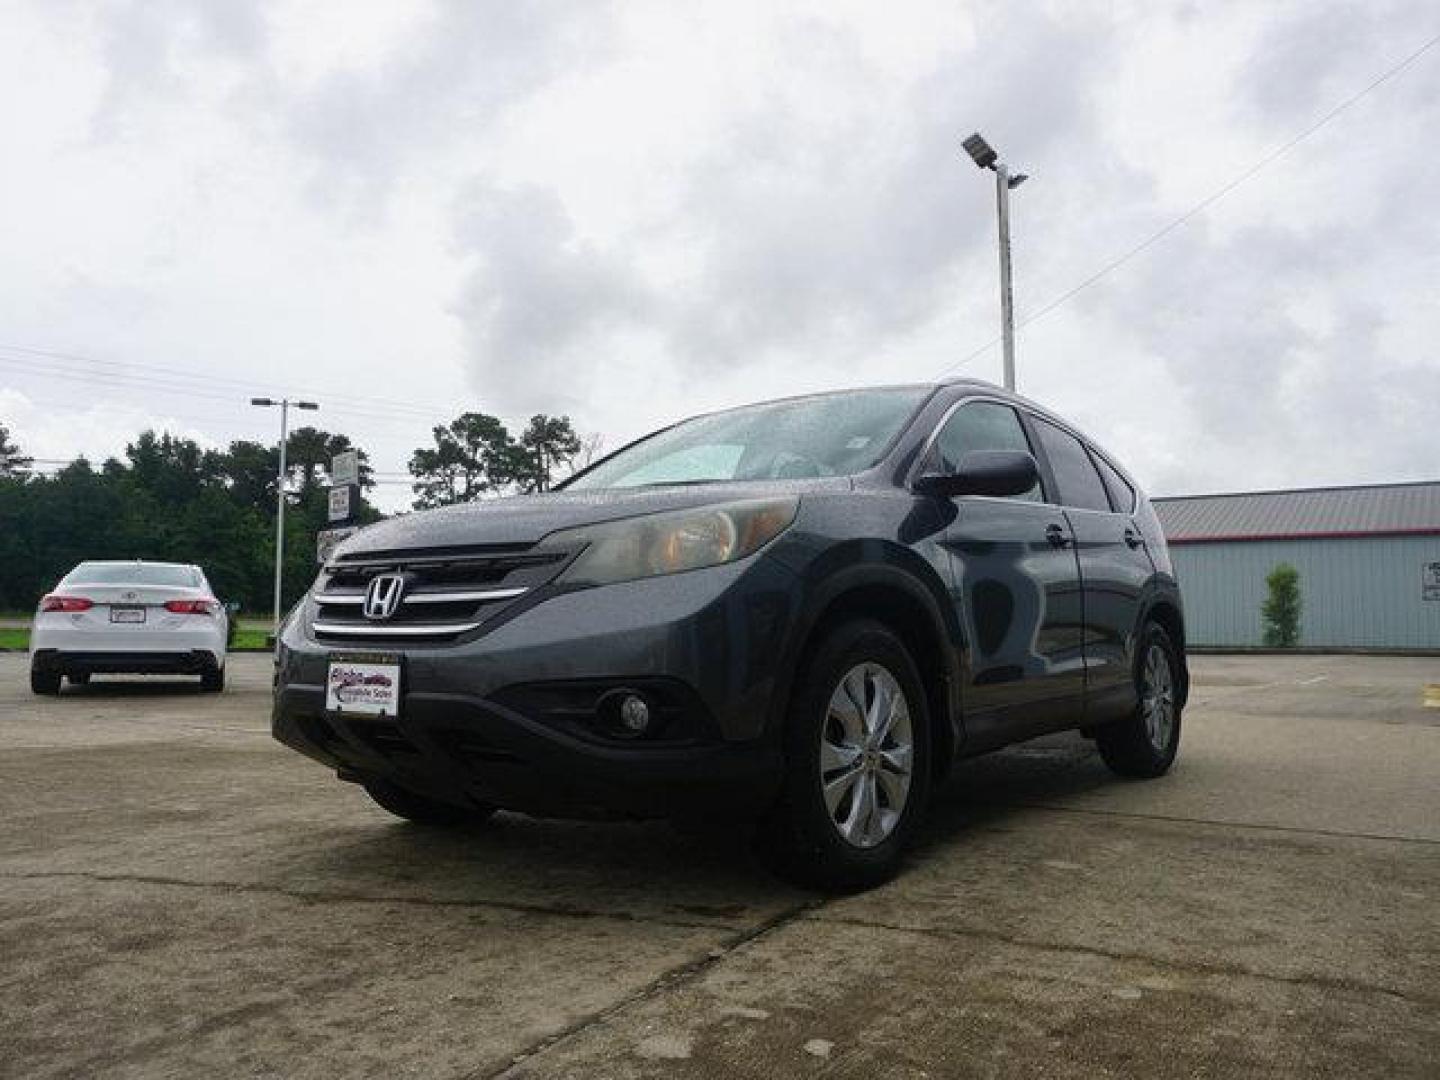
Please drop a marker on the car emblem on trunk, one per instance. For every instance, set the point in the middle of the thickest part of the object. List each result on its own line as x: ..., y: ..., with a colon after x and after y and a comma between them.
x: 383, y: 594
x: 129, y: 596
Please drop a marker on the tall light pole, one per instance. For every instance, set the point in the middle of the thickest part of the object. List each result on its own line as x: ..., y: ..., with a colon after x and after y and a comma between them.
x: 284, y: 404
x: 985, y: 157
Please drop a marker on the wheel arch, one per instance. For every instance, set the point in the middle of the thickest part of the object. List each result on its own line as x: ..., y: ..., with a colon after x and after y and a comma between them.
x: 918, y: 612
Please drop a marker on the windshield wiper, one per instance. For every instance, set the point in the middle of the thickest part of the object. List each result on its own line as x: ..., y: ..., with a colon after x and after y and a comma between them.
x: 681, y: 483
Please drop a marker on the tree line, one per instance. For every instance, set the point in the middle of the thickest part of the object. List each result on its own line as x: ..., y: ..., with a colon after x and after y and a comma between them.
x: 169, y: 498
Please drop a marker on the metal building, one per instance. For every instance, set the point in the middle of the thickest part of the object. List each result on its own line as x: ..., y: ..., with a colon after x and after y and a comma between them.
x: 1368, y: 557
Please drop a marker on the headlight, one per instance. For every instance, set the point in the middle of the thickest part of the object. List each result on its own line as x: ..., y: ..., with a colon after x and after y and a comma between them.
x: 673, y: 542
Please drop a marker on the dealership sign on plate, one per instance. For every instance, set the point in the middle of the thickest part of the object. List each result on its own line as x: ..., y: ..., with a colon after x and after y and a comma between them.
x: 369, y: 689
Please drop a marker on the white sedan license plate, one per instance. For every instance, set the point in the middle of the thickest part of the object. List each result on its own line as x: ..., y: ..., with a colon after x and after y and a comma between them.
x: 127, y: 614
x: 368, y: 687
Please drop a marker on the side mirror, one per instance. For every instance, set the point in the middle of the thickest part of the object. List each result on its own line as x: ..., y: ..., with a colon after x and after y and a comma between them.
x: 983, y: 472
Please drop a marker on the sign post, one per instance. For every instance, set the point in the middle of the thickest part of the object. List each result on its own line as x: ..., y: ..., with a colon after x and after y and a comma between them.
x: 345, y: 468
x: 340, y: 498
x: 344, y: 501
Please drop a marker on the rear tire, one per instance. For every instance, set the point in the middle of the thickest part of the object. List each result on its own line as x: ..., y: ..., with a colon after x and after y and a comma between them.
x: 1144, y: 745
x: 857, y: 763
x: 421, y: 810
x: 44, y: 682
x: 212, y: 681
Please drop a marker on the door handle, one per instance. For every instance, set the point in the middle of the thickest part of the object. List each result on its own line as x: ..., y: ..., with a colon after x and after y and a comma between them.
x: 1056, y: 535
x: 1133, y: 538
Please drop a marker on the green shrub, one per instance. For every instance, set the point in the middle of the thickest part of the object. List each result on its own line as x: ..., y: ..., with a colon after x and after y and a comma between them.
x: 1280, y: 613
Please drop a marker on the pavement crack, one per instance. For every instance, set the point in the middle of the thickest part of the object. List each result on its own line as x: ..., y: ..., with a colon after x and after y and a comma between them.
x: 1179, y: 819
x: 667, y: 980
x: 1193, y: 967
x: 312, y: 896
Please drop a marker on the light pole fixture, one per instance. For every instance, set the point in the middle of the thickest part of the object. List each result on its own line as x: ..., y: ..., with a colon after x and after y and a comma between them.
x: 284, y: 404
x: 984, y: 156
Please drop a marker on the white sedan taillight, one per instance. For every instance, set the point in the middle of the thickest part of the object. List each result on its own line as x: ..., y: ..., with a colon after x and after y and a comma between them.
x: 56, y: 602
x: 192, y: 607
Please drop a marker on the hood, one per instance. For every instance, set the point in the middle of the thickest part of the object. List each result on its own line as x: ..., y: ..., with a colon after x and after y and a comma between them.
x: 527, y: 519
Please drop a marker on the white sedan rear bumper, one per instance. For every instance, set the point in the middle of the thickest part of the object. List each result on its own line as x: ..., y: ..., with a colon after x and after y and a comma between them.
x: 164, y: 643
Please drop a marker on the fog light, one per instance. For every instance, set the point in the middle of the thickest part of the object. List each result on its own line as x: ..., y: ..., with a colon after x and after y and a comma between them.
x: 634, y: 714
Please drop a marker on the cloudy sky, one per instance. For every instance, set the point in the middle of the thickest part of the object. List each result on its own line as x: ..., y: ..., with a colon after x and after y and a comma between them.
x: 634, y: 211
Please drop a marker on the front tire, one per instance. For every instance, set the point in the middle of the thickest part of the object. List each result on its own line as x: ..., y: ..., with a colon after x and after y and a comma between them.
x: 44, y: 682
x: 857, y: 763
x: 1144, y: 745
x: 421, y: 810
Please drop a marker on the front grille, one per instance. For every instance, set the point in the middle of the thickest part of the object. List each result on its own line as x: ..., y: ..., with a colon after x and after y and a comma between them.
x: 448, y: 591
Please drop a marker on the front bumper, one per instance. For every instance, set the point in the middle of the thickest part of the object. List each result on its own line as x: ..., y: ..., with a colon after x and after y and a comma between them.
x: 473, y: 727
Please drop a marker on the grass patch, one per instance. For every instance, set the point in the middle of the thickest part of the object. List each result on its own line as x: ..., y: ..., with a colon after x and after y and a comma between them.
x: 244, y: 639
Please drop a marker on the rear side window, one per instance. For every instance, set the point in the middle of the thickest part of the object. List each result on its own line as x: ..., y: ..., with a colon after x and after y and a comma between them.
x: 1080, y: 485
x: 982, y: 425
x: 1122, y: 495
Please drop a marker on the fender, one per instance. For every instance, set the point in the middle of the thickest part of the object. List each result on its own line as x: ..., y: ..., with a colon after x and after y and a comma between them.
x: 866, y: 564
x: 1162, y: 588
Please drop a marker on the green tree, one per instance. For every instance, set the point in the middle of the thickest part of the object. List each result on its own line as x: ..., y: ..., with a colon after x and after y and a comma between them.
x: 547, y: 444
x: 249, y: 470
x: 12, y: 462
x: 172, y: 469
x: 1280, y: 612
x: 169, y: 498
x: 472, y: 455
x: 308, y: 451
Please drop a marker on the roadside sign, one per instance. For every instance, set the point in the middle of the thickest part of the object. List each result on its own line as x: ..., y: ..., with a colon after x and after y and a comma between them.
x: 340, y: 502
x: 327, y: 540
x: 1430, y: 581
x: 345, y: 468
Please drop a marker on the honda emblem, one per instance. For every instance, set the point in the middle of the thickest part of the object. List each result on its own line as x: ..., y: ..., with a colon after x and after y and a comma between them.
x: 383, y: 595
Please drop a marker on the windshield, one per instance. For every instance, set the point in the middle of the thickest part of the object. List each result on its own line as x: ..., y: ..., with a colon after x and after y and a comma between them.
x: 132, y: 574
x: 826, y: 435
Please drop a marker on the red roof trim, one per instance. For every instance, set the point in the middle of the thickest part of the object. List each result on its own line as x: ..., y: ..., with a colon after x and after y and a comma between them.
x: 1353, y: 534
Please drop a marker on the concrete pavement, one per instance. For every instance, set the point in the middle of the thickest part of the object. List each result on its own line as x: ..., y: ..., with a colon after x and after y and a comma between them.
x: 179, y: 896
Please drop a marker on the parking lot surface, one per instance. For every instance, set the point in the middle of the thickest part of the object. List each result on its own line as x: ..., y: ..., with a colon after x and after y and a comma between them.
x: 180, y: 896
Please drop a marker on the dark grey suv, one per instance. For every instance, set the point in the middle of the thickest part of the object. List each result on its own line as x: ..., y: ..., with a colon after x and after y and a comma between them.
x: 790, y: 617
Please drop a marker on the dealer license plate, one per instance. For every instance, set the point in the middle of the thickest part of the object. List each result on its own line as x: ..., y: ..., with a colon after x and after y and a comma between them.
x: 364, y: 686
x: 127, y: 614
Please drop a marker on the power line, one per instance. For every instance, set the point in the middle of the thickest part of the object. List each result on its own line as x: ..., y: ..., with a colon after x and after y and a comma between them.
x: 172, y: 374
x: 119, y: 380
x: 1209, y: 200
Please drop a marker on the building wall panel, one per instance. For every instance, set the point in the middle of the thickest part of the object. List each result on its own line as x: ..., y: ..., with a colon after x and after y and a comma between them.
x: 1356, y: 592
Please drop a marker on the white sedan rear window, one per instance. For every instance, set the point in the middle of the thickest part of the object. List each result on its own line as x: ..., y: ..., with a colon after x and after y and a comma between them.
x: 133, y: 574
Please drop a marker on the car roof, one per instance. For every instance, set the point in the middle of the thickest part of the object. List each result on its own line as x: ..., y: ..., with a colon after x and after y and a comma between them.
x: 135, y: 562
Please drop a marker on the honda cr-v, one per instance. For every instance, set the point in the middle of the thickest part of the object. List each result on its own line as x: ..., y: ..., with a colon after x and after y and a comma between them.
x: 790, y: 618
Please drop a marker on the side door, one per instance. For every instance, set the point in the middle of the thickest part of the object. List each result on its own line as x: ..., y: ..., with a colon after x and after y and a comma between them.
x: 1114, y: 566
x: 1015, y: 588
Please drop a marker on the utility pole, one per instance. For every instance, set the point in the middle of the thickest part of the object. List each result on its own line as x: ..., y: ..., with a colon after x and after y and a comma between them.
x: 280, y: 477
x: 986, y: 158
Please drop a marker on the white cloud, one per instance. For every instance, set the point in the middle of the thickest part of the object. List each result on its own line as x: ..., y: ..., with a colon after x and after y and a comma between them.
x: 636, y: 211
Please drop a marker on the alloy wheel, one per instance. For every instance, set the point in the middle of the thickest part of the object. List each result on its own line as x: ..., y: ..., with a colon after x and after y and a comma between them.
x: 867, y: 752
x: 1157, y: 698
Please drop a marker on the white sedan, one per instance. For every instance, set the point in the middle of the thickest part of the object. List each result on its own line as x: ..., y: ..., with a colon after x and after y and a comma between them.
x: 145, y: 617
